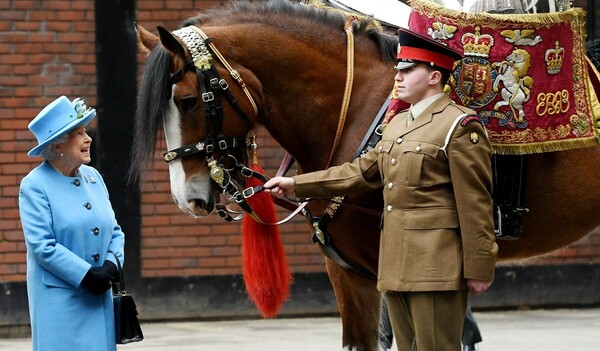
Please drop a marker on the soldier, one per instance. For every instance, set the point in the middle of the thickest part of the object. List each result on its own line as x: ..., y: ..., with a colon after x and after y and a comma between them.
x: 437, y: 231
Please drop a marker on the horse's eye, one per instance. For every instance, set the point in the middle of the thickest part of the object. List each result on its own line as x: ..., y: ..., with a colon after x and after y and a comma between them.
x: 189, y: 104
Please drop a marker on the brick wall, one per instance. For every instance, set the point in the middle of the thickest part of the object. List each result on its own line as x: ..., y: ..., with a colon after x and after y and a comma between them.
x: 46, y: 50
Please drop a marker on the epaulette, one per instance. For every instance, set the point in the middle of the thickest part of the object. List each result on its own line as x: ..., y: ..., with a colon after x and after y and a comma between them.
x: 450, y: 132
x: 463, y: 120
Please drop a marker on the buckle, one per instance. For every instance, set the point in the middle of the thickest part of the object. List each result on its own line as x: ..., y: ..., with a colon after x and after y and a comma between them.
x: 207, y: 97
x: 209, y: 148
x: 239, y: 198
x: 220, y: 209
x: 221, y: 212
x: 246, y: 193
x: 223, y: 84
x: 222, y: 144
x: 246, y: 172
x: 214, y: 83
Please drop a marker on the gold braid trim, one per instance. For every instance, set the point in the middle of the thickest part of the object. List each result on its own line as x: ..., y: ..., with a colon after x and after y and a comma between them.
x: 593, y: 98
x: 494, y: 21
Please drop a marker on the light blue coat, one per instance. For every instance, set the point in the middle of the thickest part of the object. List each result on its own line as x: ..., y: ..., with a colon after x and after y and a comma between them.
x: 69, y: 226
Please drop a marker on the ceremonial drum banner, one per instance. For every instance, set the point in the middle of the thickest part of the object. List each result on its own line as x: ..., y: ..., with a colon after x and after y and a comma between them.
x: 527, y: 76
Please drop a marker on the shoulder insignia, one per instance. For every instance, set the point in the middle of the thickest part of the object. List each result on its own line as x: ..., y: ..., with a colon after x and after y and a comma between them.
x: 469, y: 119
x: 474, y: 137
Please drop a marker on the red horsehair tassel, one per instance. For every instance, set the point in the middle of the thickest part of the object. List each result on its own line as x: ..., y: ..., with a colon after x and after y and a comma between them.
x: 267, y: 275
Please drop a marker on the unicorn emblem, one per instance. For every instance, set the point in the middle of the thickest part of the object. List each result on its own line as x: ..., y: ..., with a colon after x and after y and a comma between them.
x: 512, y: 73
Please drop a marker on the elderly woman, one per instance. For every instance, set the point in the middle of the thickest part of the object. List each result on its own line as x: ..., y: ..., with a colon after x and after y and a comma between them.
x: 71, y: 235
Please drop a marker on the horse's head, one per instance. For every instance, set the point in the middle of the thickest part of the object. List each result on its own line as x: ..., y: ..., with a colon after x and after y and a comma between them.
x: 199, y: 124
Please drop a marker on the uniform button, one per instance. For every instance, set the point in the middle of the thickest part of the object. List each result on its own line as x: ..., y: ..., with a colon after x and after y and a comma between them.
x: 88, y: 205
x: 96, y: 231
x: 389, y: 208
x: 381, y: 148
x: 393, y: 161
x: 418, y: 149
x: 77, y: 182
x: 399, y: 140
x: 390, y: 185
x: 96, y: 257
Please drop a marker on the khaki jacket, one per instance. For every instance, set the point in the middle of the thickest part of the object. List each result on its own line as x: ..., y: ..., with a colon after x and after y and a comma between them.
x: 437, y: 226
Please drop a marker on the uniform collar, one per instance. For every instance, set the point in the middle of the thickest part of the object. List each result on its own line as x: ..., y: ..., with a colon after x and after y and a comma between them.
x: 418, y: 108
x: 426, y: 115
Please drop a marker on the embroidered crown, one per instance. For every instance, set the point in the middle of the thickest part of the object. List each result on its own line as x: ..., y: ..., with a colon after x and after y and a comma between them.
x: 477, y: 44
x: 554, y: 58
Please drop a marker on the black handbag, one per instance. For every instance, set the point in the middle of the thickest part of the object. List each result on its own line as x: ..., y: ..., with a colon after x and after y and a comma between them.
x: 127, y: 326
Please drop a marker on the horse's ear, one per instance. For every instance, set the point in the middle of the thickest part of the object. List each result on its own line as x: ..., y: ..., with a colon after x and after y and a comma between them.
x: 170, y: 43
x: 146, y: 40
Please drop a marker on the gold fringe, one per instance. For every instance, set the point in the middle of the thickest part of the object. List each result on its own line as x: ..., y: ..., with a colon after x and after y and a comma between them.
x: 494, y: 21
x: 593, y: 99
x: 547, y: 146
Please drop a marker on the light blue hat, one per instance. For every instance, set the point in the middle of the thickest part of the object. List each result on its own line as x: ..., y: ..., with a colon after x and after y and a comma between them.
x: 58, y: 118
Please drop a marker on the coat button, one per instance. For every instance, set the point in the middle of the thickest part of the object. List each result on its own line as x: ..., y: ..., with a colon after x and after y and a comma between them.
x: 389, y: 208
x: 393, y: 161
x: 399, y: 140
x: 418, y: 149
x: 96, y: 231
x: 381, y: 148
x: 390, y: 185
x: 88, y: 205
x: 77, y: 182
x: 96, y: 257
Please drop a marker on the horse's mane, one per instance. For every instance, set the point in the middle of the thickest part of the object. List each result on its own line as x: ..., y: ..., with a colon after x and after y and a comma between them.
x: 151, y: 107
x: 285, y: 16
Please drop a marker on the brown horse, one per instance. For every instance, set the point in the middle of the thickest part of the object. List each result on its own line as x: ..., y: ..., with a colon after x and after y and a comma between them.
x: 292, y: 59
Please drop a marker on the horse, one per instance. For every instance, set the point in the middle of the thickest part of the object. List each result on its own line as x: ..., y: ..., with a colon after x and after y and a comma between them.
x: 291, y: 66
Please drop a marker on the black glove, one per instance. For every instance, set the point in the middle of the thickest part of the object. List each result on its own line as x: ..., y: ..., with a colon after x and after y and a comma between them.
x: 97, y: 280
x: 111, y: 269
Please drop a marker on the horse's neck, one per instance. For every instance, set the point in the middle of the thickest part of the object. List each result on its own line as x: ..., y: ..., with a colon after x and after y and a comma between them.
x: 302, y: 82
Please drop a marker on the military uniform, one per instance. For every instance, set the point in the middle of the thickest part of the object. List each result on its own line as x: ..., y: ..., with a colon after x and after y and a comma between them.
x: 437, y: 226
x: 423, y: 206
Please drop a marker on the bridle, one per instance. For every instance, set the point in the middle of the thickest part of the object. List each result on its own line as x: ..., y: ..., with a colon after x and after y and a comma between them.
x: 213, y: 87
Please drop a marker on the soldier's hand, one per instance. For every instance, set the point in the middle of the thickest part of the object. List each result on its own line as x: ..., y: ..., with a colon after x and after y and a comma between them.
x: 477, y: 287
x: 280, y: 186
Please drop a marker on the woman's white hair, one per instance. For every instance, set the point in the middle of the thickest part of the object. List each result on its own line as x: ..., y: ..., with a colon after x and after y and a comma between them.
x: 48, y: 152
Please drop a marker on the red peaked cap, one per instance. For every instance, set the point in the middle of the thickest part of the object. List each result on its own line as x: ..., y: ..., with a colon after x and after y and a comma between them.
x: 416, y: 47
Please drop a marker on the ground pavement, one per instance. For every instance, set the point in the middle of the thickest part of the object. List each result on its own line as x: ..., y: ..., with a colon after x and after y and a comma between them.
x: 533, y: 330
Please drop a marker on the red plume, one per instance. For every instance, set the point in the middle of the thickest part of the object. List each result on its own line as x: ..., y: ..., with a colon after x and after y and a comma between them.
x: 266, y: 272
